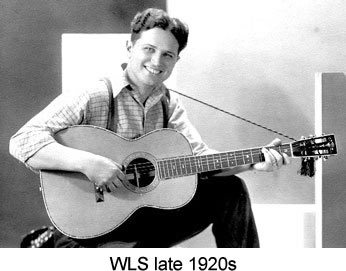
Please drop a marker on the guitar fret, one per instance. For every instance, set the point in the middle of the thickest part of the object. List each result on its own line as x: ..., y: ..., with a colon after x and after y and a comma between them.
x: 177, y: 162
x: 224, y: 160
x: 161, y: 169
x: 251, y: 155
x: 174, y: 167
x: 217, y: 160
x: 231, y: 159
x: 204, y: 163
x: 210, y: 162
x: 239, y: 158
x: 247, y: 156
x: 199, y: 164
x: 170, y: 168
x: 193, y: 164
x: 166, y: 169
x: 188, y: 166
x: 182, y: 164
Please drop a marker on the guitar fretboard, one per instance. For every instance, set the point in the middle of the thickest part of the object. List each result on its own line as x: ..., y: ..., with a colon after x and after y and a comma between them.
x: 190, y: 165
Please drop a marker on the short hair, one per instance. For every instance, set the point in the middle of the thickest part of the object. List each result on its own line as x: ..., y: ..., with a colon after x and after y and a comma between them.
x: 151, y: 18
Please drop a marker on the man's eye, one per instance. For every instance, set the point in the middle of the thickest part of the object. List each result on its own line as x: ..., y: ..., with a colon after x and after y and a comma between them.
x: 168, y: 55
x: 148, y: 49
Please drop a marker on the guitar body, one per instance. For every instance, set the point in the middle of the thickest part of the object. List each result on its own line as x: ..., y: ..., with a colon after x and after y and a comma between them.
x: 74, y: 205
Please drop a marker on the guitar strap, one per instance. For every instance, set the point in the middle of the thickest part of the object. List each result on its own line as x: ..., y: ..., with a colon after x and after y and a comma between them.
x: 112, y: 106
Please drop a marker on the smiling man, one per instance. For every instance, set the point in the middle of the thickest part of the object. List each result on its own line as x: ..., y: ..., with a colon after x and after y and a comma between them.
x: 152, y: 57
x: 142, y: 103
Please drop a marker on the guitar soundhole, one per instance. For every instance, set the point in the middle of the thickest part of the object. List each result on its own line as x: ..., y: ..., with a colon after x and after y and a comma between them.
x: 140, y: 175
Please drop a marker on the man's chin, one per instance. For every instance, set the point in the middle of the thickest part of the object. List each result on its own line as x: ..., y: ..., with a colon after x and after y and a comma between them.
x: 153, y: 83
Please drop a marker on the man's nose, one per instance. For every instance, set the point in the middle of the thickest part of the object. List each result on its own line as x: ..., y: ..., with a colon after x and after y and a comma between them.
x: 156, y: 59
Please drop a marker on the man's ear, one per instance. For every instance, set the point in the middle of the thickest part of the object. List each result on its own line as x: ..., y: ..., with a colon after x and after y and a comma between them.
x: 129, y: 47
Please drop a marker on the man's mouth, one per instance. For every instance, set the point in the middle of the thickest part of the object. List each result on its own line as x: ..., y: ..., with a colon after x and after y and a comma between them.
x: 152, y: 70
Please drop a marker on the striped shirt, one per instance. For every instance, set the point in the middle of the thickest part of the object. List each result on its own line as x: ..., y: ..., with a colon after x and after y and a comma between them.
x: 90, y: 107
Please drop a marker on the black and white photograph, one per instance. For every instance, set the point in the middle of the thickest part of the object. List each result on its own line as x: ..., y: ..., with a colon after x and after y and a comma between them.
x: 173, y: 124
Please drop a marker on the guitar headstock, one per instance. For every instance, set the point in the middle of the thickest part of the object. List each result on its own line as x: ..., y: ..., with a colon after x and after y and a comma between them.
x: 320, y: 146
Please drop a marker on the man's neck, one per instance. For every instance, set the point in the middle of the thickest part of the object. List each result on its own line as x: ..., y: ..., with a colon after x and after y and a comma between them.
x: 143, y: 90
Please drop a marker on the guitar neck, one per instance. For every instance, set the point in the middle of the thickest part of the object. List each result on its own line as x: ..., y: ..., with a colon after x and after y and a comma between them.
x: 190, y: 165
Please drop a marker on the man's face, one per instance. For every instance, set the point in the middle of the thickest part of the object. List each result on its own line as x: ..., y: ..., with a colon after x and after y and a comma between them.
x: 152, y: 57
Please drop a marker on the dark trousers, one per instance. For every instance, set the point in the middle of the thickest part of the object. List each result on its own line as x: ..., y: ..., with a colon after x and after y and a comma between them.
x: 221, y: 201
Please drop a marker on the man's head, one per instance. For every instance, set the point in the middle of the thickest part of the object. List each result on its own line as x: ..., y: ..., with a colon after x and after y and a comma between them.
x: 151, y: 18
x: 156, y: 42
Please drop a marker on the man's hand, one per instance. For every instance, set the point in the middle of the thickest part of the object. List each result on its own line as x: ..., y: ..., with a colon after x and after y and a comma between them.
x: 273, y: 159
x: 105, y: 173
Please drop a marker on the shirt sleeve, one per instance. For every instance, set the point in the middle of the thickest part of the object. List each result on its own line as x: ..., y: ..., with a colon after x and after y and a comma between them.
x: 179, y: 121
x: 64, y: 111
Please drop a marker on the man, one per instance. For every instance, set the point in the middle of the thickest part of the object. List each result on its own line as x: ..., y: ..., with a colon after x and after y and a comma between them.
x: 143, y: 104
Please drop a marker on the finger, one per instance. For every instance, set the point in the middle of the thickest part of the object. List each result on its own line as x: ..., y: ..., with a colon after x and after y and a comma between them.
x: 121, y: 176
x: 108, y: 189
x: 278, y: 159
x: 271, y: 161
x: 286, y: 159
x: 111, y: 187
x: 117, y: 183
x: 267, y: 164
x: 275, y: 142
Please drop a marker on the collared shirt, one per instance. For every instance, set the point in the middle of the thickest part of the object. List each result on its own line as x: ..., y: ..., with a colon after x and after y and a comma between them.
x: 90, y: 107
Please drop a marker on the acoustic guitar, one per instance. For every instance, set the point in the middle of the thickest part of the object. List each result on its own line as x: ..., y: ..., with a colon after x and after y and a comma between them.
x: 160, y: 170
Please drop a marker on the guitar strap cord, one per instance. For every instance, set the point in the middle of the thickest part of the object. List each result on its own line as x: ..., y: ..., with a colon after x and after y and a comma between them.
x: 234, y: 115
x: 307, y: 167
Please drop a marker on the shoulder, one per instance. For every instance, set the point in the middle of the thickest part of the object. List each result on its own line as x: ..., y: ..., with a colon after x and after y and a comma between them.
x: 97, y: 90
x: 171, y: 96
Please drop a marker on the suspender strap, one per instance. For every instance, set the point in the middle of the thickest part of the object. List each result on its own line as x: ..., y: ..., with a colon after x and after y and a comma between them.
x: 111, y: 110
x: 165, y: 111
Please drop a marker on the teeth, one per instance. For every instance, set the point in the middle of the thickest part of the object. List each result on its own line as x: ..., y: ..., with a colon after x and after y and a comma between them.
x: 152, y: 70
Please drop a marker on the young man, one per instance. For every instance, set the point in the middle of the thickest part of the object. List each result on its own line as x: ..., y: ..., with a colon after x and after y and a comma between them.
x: 143, y: 104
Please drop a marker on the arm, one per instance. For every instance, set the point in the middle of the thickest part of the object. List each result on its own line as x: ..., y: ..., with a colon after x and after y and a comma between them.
x: 35, y: 146
x: 100, y: 170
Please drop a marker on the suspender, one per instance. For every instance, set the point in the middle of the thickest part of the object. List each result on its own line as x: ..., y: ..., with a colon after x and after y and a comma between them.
x: 112, y: 109
x: 164, y: 102
x: 110, y: 119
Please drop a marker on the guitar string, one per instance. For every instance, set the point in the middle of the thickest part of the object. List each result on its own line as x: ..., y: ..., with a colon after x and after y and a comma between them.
x: 202, y: 159
x: 145, y: 167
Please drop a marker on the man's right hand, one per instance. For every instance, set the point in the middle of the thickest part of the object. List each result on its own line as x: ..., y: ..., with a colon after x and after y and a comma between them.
x: 104, y: 172
x: 100, y: 170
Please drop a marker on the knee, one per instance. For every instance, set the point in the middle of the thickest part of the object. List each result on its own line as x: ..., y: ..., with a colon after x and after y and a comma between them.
x: 233, y: 184
x: 228, y: 185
